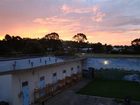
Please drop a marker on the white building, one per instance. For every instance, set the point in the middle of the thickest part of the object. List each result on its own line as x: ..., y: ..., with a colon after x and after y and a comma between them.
x: 27, y: 84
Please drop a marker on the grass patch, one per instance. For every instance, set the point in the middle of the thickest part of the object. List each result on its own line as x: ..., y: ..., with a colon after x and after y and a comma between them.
x: 113, y: 74
x: 110, y: 83
x: 110, y: 55
x: 112, y: 88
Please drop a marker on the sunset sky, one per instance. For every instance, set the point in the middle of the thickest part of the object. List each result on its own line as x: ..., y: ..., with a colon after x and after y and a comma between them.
x: 115, y: 22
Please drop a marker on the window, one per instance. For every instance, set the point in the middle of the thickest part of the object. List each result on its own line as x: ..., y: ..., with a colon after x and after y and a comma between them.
x: 42, y: 78
x: 78, y: 67
x: 54, y: 74
x: 25, y: 83
x: 72, y: 69
x: 54, y: 78
x: 64, y: 71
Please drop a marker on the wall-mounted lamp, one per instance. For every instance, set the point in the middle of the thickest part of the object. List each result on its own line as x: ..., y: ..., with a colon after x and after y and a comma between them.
x: 106, y: 62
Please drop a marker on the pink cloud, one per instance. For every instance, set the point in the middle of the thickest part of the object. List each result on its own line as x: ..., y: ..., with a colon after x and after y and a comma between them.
x: 95, y: 9
x: 55, y: 20
x: 98, y: 15
x: 59, y: 24
x: 67, y: 9
x: 40, y: 21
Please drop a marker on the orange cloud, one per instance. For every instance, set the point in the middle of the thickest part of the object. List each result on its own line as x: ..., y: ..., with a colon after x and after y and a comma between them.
x: 110, y: 38
x: 68, y: 27
x: 64, y: 26
x: 58, y: 23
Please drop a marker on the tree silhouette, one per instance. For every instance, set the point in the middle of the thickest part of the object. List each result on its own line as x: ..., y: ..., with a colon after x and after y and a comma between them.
x: 52, y: 35
x: 33, y: 47
x: 52, y: 41
x: 7, y: 37
x: 80, y: 37
x: 98, y: 48
x: 136, y: 42
x: 16, y: 38
x: 136, y: 45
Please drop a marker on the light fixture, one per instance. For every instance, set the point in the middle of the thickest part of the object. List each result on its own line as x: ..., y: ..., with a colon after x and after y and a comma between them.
x: 106, y: 62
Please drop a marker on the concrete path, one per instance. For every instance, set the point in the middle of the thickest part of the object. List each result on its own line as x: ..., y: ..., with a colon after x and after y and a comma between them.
x: 69, y: 97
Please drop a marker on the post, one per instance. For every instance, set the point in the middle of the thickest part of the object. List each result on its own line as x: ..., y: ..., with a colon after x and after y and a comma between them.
x: 32, y: 64
x: 29, y: 61
x: 55, y: 60
x: 45, y: 62
x: 40, y: 60
x: 14, y: 65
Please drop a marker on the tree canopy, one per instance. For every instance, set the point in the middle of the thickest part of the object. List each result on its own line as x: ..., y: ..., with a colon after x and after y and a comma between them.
x: 136, y: 42
x: 80, y: 37
x: 136, y: 45
x: 50, y: 43
x: 52, y: 35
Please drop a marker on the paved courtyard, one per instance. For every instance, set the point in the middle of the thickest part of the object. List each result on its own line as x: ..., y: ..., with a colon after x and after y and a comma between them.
x: 69, y: 97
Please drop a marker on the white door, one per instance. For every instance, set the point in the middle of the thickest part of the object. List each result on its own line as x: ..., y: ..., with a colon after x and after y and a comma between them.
x: 42, y: 86
x: 64, y: 74
x: 54, y: 78
x: 72, y: 71
x: 78, y: 69
x: 25, y: 90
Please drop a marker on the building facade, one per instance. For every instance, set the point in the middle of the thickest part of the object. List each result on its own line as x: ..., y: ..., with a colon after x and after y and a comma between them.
x: 34, y: 85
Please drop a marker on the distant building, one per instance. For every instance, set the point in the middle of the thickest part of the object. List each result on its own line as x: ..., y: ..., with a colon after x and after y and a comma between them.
x: 118, y: 49
x: 26, y: 83
x: 86, y: 50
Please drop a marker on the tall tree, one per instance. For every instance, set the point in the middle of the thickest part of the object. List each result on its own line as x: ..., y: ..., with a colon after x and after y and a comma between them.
x: 16, y: 38
x: 7, y: 37
x: 136, y: 45
x: 32, y: 46
x: 80, y: 37
x: 98, y: 48
x: 136, y: 42
x: 53, y: 43
x: 52, y: 35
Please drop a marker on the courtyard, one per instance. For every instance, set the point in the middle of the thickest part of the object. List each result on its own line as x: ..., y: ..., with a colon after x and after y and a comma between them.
x: 72, y: 96
x: 107, y: 88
